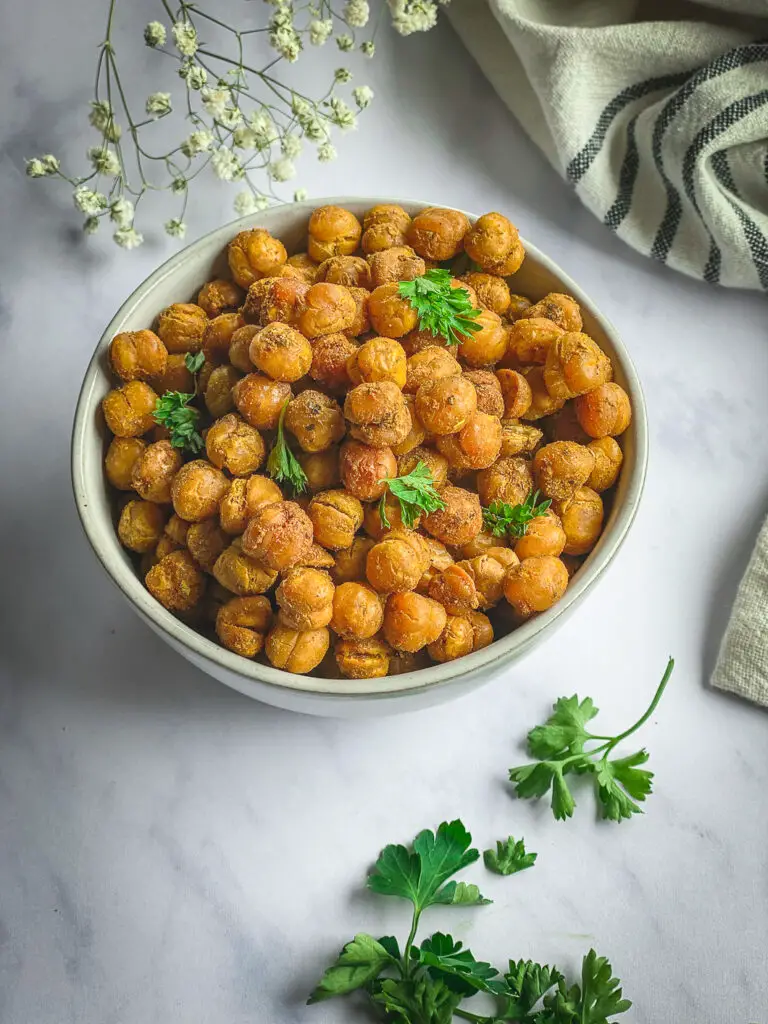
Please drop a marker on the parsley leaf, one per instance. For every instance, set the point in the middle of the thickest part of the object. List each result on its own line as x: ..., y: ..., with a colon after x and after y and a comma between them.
x: 416, y: 494
x: 173, y: 411
x: 501, y: 518
x: 442, y: 309
x: 457, y: 967
x: 282, y: 464
x: 598, y: 998
x: 359, y: 962
x: 526, y: 982
x: 564, y: 731
x: 417, y: 1001
x: 509, y: 857
x: 618, y: 781
x: 194, y: 362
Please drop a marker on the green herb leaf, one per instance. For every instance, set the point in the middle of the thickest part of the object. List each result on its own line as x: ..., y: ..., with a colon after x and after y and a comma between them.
x: 194, y: 362
x: 423, y: 1000
x: 442, y: 310
x: 598, y: 998
x: 564, y: 731
x: 618, y: 781
x: 501, y: 518
x: 282, y: 464
x: 509, y: 857
x: 360, y: 962
x: 526, y: 982
x: 416, y: 494
x: 457, y: 967
x: 173, y: 411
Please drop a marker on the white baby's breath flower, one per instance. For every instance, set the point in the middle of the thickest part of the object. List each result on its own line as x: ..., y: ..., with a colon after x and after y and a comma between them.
x: 319, y: 31
x: 357, y: 13
x: 341, y: 115
x: 345, y: 42
x: 121, y: 212
x: 158, y: 104
x: 226, y: 164
x: 175, y: 227
x: 193, y: 74
x: 230, y: 117
x: 342, y: 75
x: 154, y: 34
x: 412, y: 15
x: 300, y: 195
x: 263, y: 127
x: 244, y: 138
x: 89, y: 202
x: 104, y: 160
x: 197, y: 142
x: 281, y: 170
x: 362, y: 96
x: 42, y: 166
x: 128, y: 238
x: 315, y: 131
x: 290, y: 146
x: 178, y: 186
x: 326, y: 153
x: 283, y: 36
x: 91, y: 225
x: 103, y: 120
x: 368, y: 48
x: 245, y: 203
x: 262, y: 202
x: 185, y: 38
x: 216, y: 100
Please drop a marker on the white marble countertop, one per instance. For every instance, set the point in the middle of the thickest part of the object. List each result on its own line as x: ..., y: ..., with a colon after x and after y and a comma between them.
x: 174, y: 853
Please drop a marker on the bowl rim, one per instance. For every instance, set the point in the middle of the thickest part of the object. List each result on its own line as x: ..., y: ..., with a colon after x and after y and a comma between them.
x: 253, y: 675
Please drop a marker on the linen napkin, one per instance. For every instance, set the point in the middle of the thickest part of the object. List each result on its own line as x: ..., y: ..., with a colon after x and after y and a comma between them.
x: 655, y: 111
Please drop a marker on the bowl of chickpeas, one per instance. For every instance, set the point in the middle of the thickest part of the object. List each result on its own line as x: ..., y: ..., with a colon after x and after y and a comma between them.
x: 358, y: 455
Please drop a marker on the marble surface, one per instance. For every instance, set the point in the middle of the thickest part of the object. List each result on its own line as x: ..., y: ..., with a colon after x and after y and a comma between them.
x: 171, y: 852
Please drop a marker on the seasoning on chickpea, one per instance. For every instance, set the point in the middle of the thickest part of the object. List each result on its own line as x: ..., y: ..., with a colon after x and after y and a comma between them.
x: 218, y: 334
x: 400, y: 263
x: 608, y: 460
x: 275, y: 300
x: 328, y: 309
x: 281, y: 352
x: 305, y: 597
x: 391, y: 315
x: 330, y: 358
x: 604, y: 411
x: 412, y: 621
x: 278, y: 535
x: 378, y: 359
x: 241, y: 574
x: 431, y: 363
x: 219, y: 296
x: 296, y: 650
x: 154, y: 470
x: 582, y: 519
x: 519, y: 438
x: 128, y: 409
x: 137, y: 355
x: 475, y: 446
x: 561, y: 467
x: 378, y: 414
x: 218, y: 391
x: 205, y: 542
x: 437, y: 234
x: 447, y: 404
x: 529, y: 339
x: 492, y: 292
x: 176, y: 581
x: 384, y: 227
x: 397, y: 562
x: 456, y: 640
x: 535, y: 584
x: 359, y: 658
x: 180, y: 327
x: 336, y: 516
x: 575, y: 364
x: 357, y: 611
x: 460, y: 520
x: 121, y: 457
x: 508, y: 480
x: 255, y: 254
x: 260, y: 400
x: 351, y: 271
x: 315, y: 420
x: 333, y: 231
x: 486, y: 346
x: 544, y: 535
x: 141, y: 525
x: 560, y: 309
x: 365, y: 469
x: 234, y: 445
x: 242, y: 624
x: 489, y: 392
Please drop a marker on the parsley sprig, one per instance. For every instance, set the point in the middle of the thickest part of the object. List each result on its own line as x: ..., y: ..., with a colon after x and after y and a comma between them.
x: 282, y: 464
x: 442, y: 310
x: 509, y: 857
x: 560, y: 749
x: 501, y: 518
x: 428, y: 982
x: 416, y: 494
x: 174, y: 412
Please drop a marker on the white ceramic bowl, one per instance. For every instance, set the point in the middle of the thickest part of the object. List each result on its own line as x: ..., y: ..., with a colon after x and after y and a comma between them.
x: 179, y: 280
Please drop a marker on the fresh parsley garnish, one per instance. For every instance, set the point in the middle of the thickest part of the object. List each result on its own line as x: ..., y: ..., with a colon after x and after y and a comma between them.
x: 560, y: 747
x: 416, y: 494
x: 442, y: 310
x: 282, y: 464
x: 500, y: 518
x: 173, y: 411
x: 509, y: 857
x: 194, y: 361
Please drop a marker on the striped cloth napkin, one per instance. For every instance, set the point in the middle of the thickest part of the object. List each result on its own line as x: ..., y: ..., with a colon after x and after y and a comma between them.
x: 656, y: 111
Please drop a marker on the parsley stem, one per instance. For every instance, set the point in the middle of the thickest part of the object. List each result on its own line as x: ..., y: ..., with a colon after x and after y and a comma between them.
x: 409, y: 942
x: 649, y: 711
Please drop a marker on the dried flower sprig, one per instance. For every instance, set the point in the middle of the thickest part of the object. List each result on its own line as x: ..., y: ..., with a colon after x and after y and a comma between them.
x: 243, y: 122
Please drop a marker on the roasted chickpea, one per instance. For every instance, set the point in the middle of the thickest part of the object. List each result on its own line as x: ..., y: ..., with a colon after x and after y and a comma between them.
x: 260, y: 400
x: 437, y: 234
x: 582, y: 518
x: 397, y: 562
x: 608, y: 460
x: 141, y: 525
x: 180, y: 327
x: 241, y: 574
x: 281, y: 352
x: 328, y: 309
x: 242, y: 499
x: 604, y: 411
x: 278, y: 535
x: 575, y: 364
x: 275, y: 299
x: 378, y: 359
x: 137, y: 355
x: 544, y: 535
x: 305, y: 597
x: 480, y: 545
x: 400, y: 263
x: 361, y: 322
x: 511, y: 264
x: 519, y: 438
x: 176, y: 376
x: 456, y: 640
x: 486, y: 346
x: 416, y: 435
x: 436, y: 463
x: 482, y: 630
x: 350, y: 562
x: 564, y: 426
x: 363, y: 658
x: 330, y: 355
x: 364, y: 469
x: 219, y: 296
x: 560, y: 309
x: 301, y: 265
x: 336, y: 516
x: 318, y: 558
x: 475, y: 446
x: 217, y: 336
x: 446, y: 405
x: 428, y: 364
x: 439, y: 559
x: 205, y: 542
x: 490, y: 240
x: 296, y: 651
x: 492, y: 292
x: 357, y: 611
x: 321, y: 469
x: 372, y: 522
x: 562, y: 467
x: 333, y: 231
x: 218, y: 392
x: 351, y: 271
x: 254, y: 254
x: 378, y: 414
x: 242, y: 624
x: 128, y: 409
x: 315, y: 420
x: 412, y: 621
x: 196, y: 491
x: 391, y: 315
x: 455, y: 589
x: 240, y: 347
x: 154, y: 470
x: 487, y: 572
x: 542, y: 402
x: 417, y: 341
x: 459, y: 521
x: 516, y: 392
x: 529, y: 339
x: 488, y: 388
x: 122, y: 455
x: 176, y: 582
x: 518, y: 307
x: 507, y: 480
x: 234, y: 445
x: 384, y: 227
x: 535, y: 584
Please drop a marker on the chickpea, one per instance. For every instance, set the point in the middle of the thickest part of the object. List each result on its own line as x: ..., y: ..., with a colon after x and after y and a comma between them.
x: 516, y: 392
x: 318, y: 558
x: 333, y: 231
x: 328, y: 309
x: 582, y: 518
x: 490, y: 240
x: 242, y: 624
x: 479, y: 545
x: 275, y: 300
x: 233, y: 508
x: 128, y: 410
x: 535, y: 584
x: 604, y: 411
x: 428, y: 364
x: 361, y: 323
x: 176, y: 376
x: 296, y: 651
x: 436, y: 463
x: 217, y: 336
x: 350, y: 562
x: 141, y: 525
x: 397, y: 562
x: 519, y: 438
x: 399, y: 263
x: 364, y: 469
x: 305, y: 597
x: 234, y: 445
x: 176, y: 529
x: 384, y: 227
x: 180, y: 327
x: 608, y: 460
x: 330, y: 355
x: 439, y: 559
x: 437, y: 234
x: 486, y: 346
x: 351, y: 271
x: 482, y: 630
x: 564, y: 426
x: 154, y: 470
x: 492, y: 292
x: 336, y: 517
x: 137, y: 355
x: 378, y: 414
x: 301, y: 265
x: 529, y: 339
x: 386, y: 213
x: 416, y: 435
x: 260, y: 400
x: 489, y: 393
x: 376, y: 360
x: 475, y: 446
x: 417, y: 341
x: 205, y: 542
x: 240, y: 347
x: 372, y: 522
x: 278, y: 535
x: 518, y: 307
x: 412, y: 621
x: 122, y: 455
x: 197, y: 489
x: 561, y: 467
x: 315, y: 420
x: 488, y: 572
x: 454, y: 588
x: 363, y: 658
x: 281, y: 352
x: 542, y: 402
x: 218, y: 392
x: 544, y: 536
x: 357, y: 611
x: 446, y: 405
x: 321, y: 469
x: 176, y: 581
x: 219, y: 296
x: 255, y: 254
x: 511, y: 264
x: 459, y: 521
x: 241, y: 574
x: 560, y: 309
x: 456, y: 640
x: 508, y: 480
x: 391, y: 315
x: 575, y: 364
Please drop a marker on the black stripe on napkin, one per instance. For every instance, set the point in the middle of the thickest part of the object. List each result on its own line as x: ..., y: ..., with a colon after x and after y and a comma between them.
x: 756, y: 240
